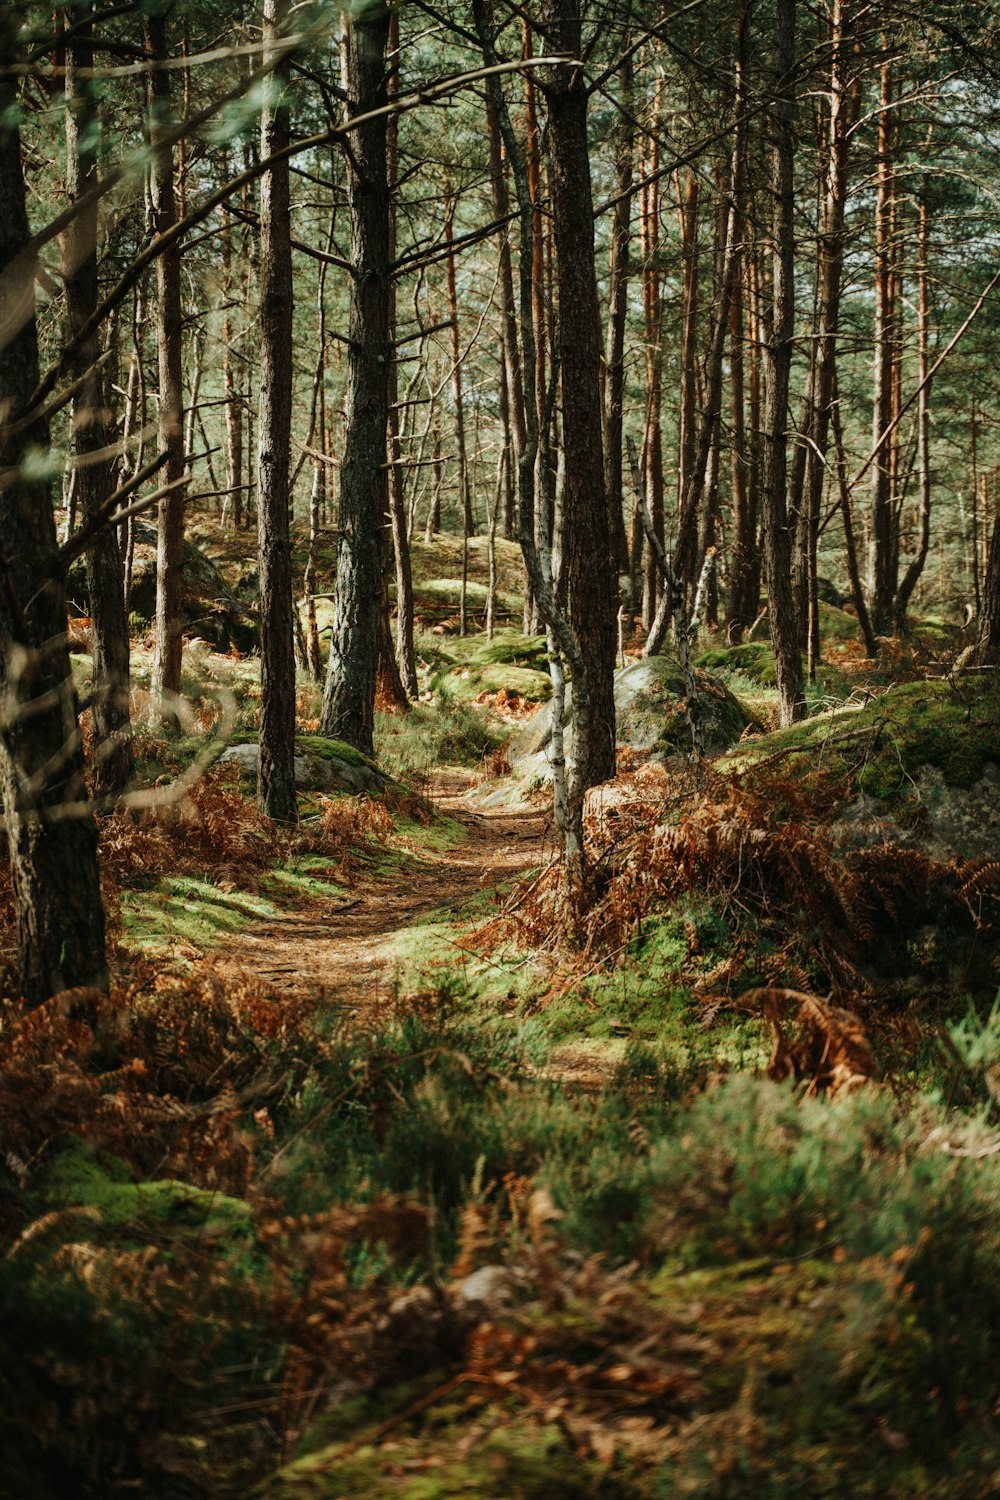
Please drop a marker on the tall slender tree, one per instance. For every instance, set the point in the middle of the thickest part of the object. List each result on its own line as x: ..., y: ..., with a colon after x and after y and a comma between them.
x: 592, y: 608
x: 113, y: 759
x: 349, y: 695
x: 276, y: 773
x: 777, y: 365
x: 168, y: 320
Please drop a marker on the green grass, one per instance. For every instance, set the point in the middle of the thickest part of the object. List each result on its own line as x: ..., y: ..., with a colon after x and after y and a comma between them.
x: 187, y: 909
x: 305, y: 876
x: 434, y: 735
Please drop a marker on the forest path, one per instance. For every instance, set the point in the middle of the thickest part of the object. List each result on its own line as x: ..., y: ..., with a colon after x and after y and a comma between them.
x: 345, y: 946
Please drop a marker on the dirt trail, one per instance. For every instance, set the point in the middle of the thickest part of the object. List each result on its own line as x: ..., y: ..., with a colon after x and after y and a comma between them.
x: 345, y: 945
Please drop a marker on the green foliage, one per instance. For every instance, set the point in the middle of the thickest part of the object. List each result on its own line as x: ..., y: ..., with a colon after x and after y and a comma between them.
x: 753, y: 659
x: 448, y: 732
x: 950, y: 726
x: 183, y: 909
x: 468, y: 682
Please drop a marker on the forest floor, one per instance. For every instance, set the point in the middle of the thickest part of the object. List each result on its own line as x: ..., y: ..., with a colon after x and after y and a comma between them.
x: 366, y: 1180
x: 345, y: 947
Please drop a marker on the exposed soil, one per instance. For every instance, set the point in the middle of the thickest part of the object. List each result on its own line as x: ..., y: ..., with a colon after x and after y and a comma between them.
x: 344, y: 946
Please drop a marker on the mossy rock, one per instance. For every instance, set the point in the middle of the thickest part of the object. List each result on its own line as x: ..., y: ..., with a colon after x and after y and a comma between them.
x: 920, y: 763
x: 650, y: 714
x: 837, y: 624
x: 752, y: 659
x: 827, y: 592
x: 468, y: 682
x: 436, y: 594
x: 246, y: 584
x: 321, y: 764
x: 78, y: 1178
x: 512, y: 647
x: 210, y: 609
x: 328, y: 749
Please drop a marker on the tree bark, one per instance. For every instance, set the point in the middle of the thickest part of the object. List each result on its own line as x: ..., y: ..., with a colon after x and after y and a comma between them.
x: 349, y: 696
x: 511, y: 351
x: 741, y: 607
x: 652, y: 300
x: 689, y: 196
x: 113, y: 761
x: 405, y: 657
x: 880, y: 556
x: 51, y: 835
x: 592, y: 612
x: 811, y: 457
x: 614, y: 344
x: 165, y: 685
x: 986, y: 651
x: 231, y: 382
x: 777, y: 367
x: 912, y: 575
x: 276, y: 769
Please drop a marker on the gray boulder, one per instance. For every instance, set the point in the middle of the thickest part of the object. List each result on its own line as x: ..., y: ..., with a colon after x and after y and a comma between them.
x: 649, y: 716
x: 318, y: 766
x: 247, y: 757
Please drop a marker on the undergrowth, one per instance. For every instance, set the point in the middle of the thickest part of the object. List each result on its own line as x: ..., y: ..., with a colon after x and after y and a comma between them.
x: 222, y: 1219
x: 790, y: 906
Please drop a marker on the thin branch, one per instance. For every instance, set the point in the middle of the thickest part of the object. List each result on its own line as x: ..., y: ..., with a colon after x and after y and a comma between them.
x: 106, y: 515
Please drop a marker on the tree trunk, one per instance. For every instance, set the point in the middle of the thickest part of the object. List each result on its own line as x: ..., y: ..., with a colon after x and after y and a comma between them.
x: 276, y: 771
x: 511, y: 352
x: 434, y: 508
x: 685, y: 564
x: 652, y: 299
x: 986, y: 651
x: 349, y: 696
x: 777, y: 366
x: 741, y: 608
x: 880, y: 557
x: 912, y: 575
x: 464, y: 492
x: 816, y: 423
x: 165, y: 685
x: 592, y: 611
x: 614, y: 344
x: 113, y: 762
x: 51, y: 835
x: 533, y: 156
x: 231, y: 383
x: 405, y: 657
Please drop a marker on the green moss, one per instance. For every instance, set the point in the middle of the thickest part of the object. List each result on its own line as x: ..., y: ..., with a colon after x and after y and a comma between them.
x: 753, y: 659
x: 951, y: 726
x: 449, y: 591
x: 513, y: 647
x: 468, y: 682
x: 77, y: 1177
x: 837, y: 624
x: 327, y: 749
x: 305, y: 876
x: 440, y: 835
x: 521, y: 1458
